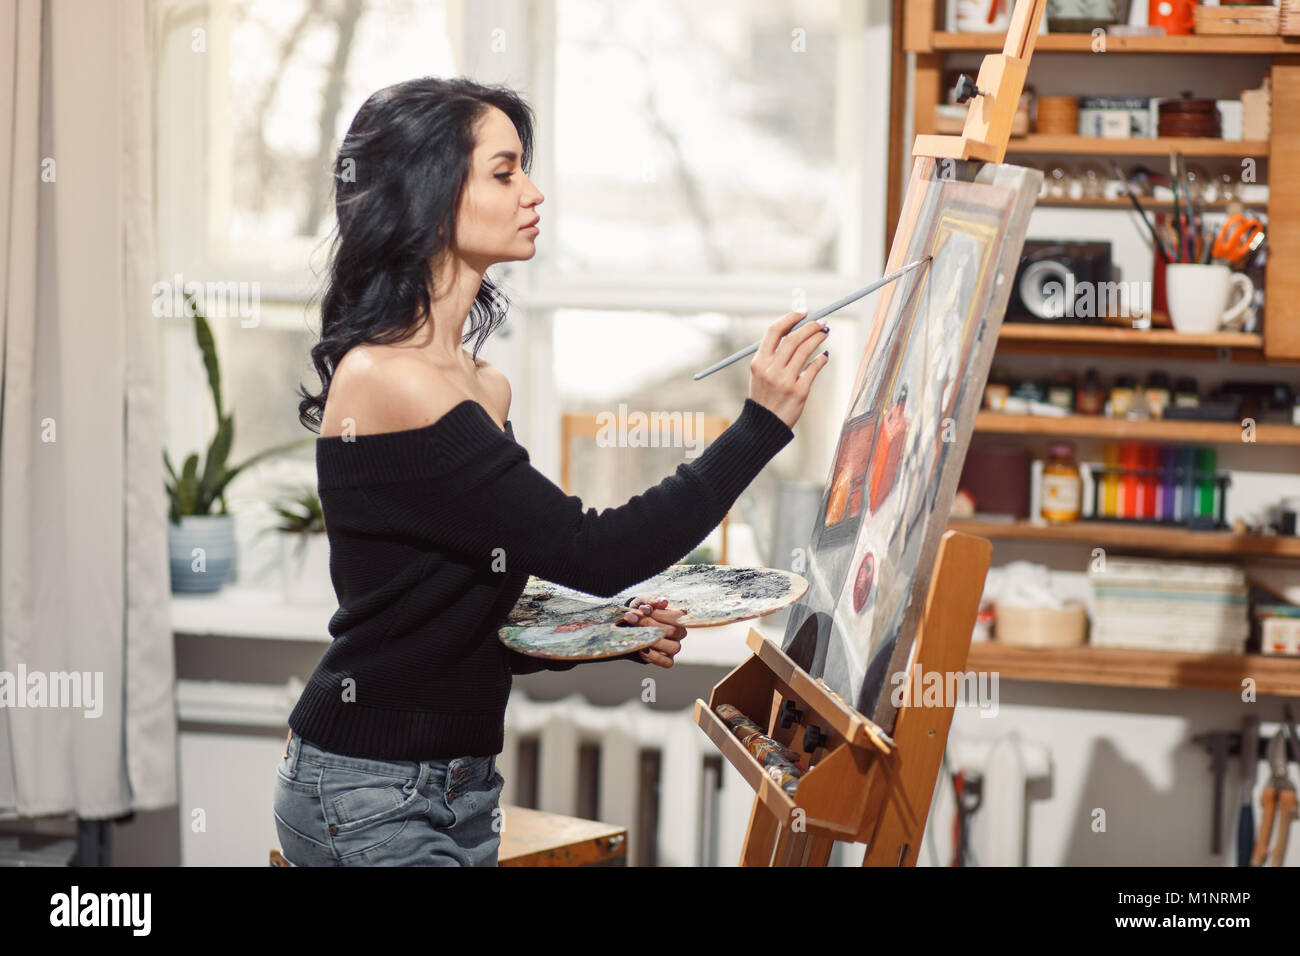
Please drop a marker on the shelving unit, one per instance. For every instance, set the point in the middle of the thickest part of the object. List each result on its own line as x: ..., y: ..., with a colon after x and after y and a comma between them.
x: 921, y: 62
x: 918, y: 28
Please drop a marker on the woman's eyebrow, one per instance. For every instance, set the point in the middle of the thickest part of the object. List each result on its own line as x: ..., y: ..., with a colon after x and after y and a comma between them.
x: 509, y: 154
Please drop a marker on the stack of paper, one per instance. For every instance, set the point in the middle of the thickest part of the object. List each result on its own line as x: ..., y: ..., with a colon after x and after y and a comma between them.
x: 1170, y: 606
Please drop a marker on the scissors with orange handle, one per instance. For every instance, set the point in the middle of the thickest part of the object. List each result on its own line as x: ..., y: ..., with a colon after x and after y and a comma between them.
x: 1239, y: 237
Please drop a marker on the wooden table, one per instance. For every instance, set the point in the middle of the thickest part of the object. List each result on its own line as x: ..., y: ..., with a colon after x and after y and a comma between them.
x: 537, y: 838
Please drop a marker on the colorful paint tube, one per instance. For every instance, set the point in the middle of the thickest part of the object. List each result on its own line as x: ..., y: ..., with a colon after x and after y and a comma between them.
x: 1205, y: 484
x: 1150, y: 456
x: 1110, y: 482
x: 1130, y: 461
x: 1187, y: 484
x: 782, y: 764
x: 740, y: 725
x: 1167, y: 496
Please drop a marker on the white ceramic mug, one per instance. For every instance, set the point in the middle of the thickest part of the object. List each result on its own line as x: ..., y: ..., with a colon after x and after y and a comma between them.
x: 1203, y: 297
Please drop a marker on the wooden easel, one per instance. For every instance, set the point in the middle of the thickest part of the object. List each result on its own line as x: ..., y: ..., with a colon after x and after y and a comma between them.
x: 866, y: 786
x: 1000, y: 82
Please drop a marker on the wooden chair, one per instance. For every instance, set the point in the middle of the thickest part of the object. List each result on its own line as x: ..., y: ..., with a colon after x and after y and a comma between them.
x: 575, y: 425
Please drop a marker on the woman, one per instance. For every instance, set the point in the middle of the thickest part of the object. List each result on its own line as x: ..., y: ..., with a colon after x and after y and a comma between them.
x: 435, y: 517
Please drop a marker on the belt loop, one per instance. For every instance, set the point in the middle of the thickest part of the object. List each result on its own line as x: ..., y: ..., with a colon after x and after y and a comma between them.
x: 291, y: 751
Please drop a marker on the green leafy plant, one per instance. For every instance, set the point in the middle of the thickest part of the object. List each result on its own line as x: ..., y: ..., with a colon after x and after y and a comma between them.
x: 196, y: 490
x: 300, y: 514
x: 701, y: 555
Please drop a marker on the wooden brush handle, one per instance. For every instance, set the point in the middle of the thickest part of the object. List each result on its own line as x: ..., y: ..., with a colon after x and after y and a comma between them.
x: 1268, y: 802
x: 1286, y: 807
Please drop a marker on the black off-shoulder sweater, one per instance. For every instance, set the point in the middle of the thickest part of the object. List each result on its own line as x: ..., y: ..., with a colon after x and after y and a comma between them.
x: 433, y: 532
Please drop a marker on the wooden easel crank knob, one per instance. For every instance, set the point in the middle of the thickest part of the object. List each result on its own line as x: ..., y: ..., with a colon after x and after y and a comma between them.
x: 813, y: 738
x: 966, y: 89
x: 789, y: 714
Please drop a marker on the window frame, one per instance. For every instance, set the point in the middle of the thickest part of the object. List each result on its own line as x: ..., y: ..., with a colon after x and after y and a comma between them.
x: 189, y: 190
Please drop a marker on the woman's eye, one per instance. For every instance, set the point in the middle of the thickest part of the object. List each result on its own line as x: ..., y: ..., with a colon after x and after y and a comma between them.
x: 504, y: 176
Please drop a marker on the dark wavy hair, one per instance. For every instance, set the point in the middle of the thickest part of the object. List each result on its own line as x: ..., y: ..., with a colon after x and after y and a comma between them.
x: 398, y: 179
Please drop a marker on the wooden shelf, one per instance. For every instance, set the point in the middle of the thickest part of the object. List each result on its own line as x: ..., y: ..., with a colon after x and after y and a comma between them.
x: 1113, y: 667
x: 1135, y: 146
x: 1117, y: 341
x: 1160, y: 205
x: 1119, y: 335
x: 1107, y: 534
x: 1097, y: 426
x: 1083, y: 43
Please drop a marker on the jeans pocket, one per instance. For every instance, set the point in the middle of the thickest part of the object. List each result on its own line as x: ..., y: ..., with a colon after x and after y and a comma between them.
x: 303, y: 833
x: 365, y: 809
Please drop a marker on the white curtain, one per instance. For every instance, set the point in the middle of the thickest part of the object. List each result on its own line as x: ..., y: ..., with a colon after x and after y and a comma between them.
x: 83, y: 541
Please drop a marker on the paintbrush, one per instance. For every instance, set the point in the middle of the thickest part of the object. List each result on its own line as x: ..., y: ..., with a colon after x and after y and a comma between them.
x: 1133, y: 198
x: 1174, y: 183
x: 819, y: 314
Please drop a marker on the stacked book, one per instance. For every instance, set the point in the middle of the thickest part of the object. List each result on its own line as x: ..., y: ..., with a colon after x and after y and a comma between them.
x: 1169, y: 606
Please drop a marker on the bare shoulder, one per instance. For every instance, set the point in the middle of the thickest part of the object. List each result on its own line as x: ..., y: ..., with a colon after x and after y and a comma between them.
x: 497, y: 387
x: 377, y: 390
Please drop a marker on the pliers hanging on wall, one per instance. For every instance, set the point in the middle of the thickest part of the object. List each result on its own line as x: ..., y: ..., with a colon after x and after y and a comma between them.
x: 968, y: 790
x: 1278, y: 801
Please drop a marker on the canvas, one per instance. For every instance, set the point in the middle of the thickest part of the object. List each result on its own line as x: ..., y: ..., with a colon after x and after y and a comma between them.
x: 919, y: 385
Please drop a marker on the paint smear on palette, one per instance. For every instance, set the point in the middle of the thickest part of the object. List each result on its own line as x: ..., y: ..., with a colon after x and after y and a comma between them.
x: 715, y: 594
x: 579, y: 641
x: 557, y: 622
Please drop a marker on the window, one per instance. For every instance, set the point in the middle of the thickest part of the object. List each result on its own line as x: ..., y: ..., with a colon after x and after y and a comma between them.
x: 706, y: 168
x: 696, y: 137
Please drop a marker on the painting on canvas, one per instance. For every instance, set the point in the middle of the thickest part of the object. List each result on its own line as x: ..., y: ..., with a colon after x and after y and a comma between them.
x: 894, y: 472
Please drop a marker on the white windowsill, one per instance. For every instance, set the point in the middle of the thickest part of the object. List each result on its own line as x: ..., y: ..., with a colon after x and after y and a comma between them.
x: 259, y: 613
x: 262, y: 614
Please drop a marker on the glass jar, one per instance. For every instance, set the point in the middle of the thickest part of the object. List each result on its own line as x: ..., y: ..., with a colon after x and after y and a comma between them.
x: 1092, y: 396
x: 1121, y: 396
x: 1185, y: 394
x: 1158, y: 394
x: 1061, y: 391
x: 1062, y: 485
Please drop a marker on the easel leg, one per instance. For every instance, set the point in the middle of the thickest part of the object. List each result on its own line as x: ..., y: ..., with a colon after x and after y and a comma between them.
x: 801, y: 849
x: 769, y: 843
x: 760, y: 838
x: 920, y: 731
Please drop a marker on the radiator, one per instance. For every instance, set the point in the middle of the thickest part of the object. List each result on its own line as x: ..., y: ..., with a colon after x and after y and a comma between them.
x: 652, y: 771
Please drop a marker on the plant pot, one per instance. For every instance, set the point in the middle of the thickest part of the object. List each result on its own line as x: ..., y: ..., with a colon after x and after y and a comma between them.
x: 202, y: 553
x: 305, y: 568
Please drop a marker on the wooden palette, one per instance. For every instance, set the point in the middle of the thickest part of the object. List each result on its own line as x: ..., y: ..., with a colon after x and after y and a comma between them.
x: 560, y: 623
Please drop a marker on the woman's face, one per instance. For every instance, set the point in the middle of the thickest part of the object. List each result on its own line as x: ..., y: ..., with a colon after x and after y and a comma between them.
x: 497, y: 214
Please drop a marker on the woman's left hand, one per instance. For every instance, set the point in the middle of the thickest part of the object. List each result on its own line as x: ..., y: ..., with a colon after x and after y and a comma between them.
x: 654, y: 610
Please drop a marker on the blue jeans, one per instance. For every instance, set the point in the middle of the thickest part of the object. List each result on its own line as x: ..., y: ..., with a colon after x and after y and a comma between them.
x: 335, y: 810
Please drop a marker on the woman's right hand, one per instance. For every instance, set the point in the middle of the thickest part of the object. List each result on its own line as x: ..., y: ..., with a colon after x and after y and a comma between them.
x: 777, y: 379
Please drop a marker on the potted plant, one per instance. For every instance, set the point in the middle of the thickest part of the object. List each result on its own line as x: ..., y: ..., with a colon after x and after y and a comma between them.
x: 304, y: 548
x: 202, y: 544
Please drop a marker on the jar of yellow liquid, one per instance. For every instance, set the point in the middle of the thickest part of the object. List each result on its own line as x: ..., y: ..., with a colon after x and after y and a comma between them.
x: 1062, y: 485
